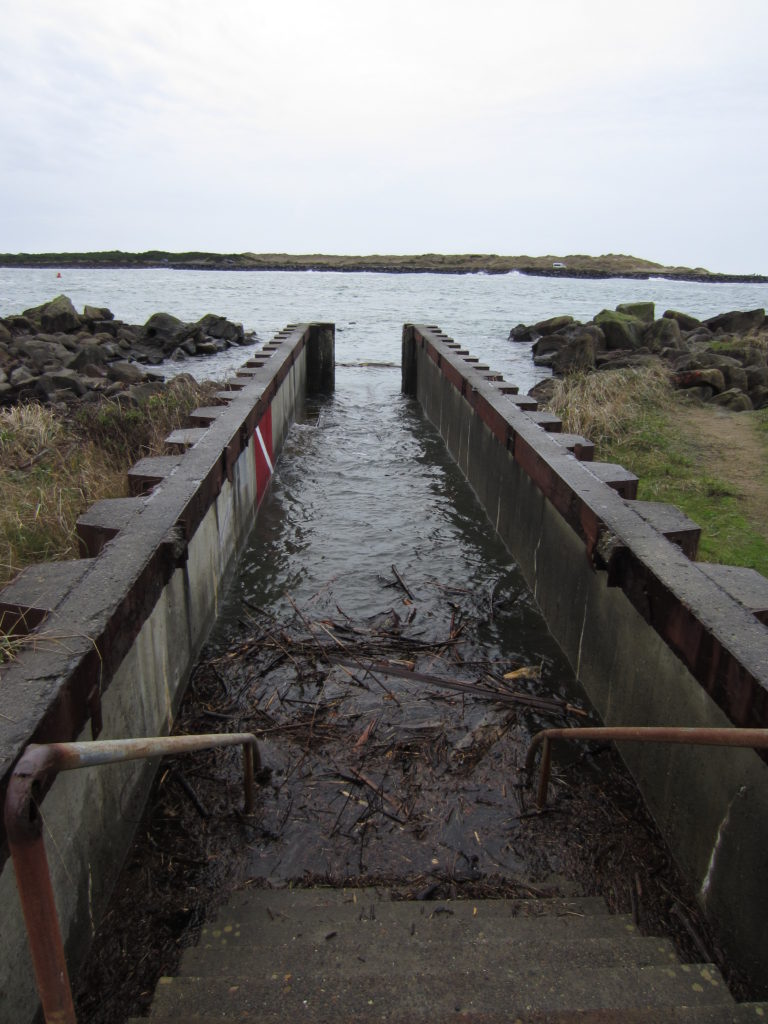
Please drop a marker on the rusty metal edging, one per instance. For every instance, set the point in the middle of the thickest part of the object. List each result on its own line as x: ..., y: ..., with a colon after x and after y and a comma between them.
x: 713, y: 737
x: 34, y: 772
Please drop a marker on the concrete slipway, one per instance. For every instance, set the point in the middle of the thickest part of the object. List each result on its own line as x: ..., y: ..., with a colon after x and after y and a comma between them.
x: 655, y: 637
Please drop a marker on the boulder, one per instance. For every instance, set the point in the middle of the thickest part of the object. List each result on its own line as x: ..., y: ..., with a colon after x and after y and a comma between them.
x: 577, y: 354
x: 123, y: 372
x: 89, y: 355
x: 57, y: 315
x: 19, y: 325
x: 759, y: 396
x: 700, y: 393
x: 683, y: 320
x: 757, y: 376
x: 98, y: 313
x: 553, y: 324
x: 733, y: 399
x: 621, y: 330
x: 735, y: 377
x: 50, y: 384
x: 737, y: 321
x: 645, y: 311
x: 521, y: 333
x: 544, y: 390
x: 710, y: 377
x: 165, y: 333
x: 219, y: 327
x: 663, y: 334
x: 5, y: 334
x: 20, y: 376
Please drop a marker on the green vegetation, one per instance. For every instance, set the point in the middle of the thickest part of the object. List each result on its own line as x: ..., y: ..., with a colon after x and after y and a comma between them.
x: 52, y: 469
x: 636, y: 419
x: 609, y: 265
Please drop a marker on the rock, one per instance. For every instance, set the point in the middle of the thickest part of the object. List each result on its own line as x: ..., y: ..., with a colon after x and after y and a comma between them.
x: 711, y: 377
x: 521, y: 333
x: 623, y: 359
x: 735, y: 377
x: 19, y: 325
x: 663, y: 334
x: 577, y: 354
x: 544, y: 390
x: 733, y: 399
x: 219, y: 327
x: 5, y: 334
x: 21, y: 376
x: 50, y: 384
x: 89, y: 355
x: 57, y: 315
x: 684, y: 321
x: 124, y: 372
x: 178, y: 355
x: 700, y: 393
x: 208, y: 348
x: 759, y: 396
x: 645, y: 311
x: 98, y: 313
x: 621, y: 331
x: 553, y: 324
x: 737, y: 321
x: 757, y: 376
x: 700, y: 334
x: 39, y: 353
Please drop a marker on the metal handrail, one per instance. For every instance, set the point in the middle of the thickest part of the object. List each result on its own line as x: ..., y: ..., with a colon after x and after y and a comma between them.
x: 34, y: 772
x: 710, y: 737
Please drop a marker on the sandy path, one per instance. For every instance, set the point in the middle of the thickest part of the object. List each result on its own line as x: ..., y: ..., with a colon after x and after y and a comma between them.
x: 730, y: 445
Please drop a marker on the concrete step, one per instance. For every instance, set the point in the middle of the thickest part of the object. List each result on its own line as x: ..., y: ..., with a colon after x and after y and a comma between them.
x: 356, y: 950
x: 746, y: 1013
x: 425, y: 995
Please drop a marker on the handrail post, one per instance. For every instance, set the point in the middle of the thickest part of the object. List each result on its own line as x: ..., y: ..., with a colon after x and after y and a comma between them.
x: 37, y: 766
x: 24, y: 829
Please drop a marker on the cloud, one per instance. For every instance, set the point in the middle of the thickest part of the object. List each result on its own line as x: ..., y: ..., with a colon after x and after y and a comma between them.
x: 404, y: 126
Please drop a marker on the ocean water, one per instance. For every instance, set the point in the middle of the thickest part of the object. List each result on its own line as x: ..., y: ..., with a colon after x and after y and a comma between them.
x: 368, y: 309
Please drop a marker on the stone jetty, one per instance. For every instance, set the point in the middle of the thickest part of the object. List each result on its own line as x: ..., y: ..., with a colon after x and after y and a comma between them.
x: 720, y: 360
x: 53, y: 354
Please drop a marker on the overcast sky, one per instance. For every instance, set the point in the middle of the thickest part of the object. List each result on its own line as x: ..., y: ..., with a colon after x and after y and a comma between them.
x: 401, y: 126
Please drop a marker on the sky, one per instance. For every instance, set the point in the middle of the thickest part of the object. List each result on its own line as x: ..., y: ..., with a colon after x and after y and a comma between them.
x: 345, y: 126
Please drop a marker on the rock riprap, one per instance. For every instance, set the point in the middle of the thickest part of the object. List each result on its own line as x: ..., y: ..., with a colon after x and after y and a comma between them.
x: 54, y: 354
x: 720, y: 360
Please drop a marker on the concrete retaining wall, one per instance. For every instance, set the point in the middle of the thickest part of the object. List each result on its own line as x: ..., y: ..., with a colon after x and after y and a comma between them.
x: 655, y: 637
x: 117, y: 632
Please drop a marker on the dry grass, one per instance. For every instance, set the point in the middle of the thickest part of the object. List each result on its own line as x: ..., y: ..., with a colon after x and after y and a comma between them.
x: 606, y: 407
x: 52, y: 469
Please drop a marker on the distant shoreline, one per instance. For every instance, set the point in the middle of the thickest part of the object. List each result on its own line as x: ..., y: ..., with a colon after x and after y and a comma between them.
x: 587, y: 267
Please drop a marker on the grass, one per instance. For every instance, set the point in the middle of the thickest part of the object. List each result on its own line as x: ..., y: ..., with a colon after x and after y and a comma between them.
x: 53, y: 469
x: 636, y: 419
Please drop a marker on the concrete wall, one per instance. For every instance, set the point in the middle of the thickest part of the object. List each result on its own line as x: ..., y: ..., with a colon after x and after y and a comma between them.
x: 118, y: 632
x: 655, y: 637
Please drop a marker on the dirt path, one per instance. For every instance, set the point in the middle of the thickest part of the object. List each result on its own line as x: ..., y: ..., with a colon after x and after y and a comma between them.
x: 732, y: 449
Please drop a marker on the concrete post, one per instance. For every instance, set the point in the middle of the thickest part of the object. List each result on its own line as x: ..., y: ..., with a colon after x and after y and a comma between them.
x: 321, y: 361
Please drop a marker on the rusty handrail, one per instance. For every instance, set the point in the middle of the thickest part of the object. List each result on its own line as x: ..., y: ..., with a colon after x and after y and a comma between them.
x: 34, y: 772
x: 711, y: 737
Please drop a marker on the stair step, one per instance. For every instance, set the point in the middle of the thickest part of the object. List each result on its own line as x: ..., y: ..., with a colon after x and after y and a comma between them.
x: 267, y: 921
x: 746, y: 1013
x: 355, y: 951
x: 300, y: 994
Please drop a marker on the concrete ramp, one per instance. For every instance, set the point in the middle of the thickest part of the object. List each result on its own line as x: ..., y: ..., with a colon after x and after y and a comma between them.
x: 324, y: 955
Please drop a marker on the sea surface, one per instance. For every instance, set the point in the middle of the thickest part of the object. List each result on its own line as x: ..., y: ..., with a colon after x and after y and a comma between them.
x: 368, y: 309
